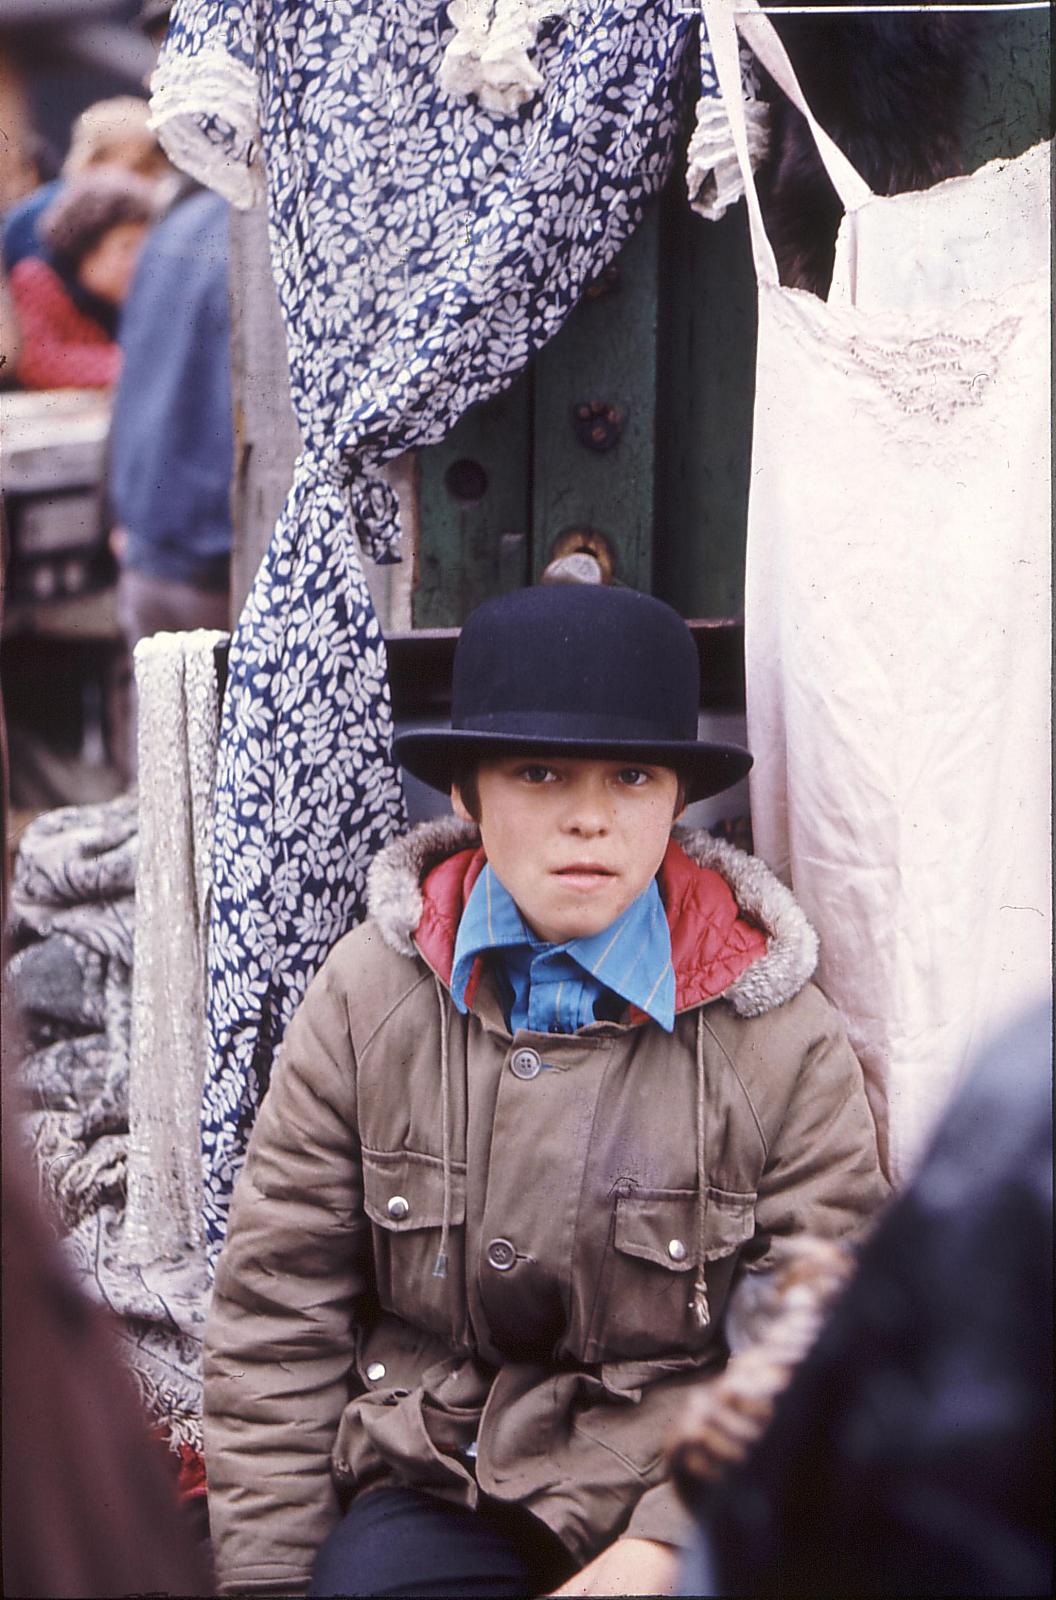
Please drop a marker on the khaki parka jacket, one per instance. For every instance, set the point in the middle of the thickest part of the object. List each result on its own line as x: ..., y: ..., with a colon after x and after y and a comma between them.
x: 469, y: 1262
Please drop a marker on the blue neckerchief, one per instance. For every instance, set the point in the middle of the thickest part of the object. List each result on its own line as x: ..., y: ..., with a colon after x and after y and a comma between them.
x: 556, y: 988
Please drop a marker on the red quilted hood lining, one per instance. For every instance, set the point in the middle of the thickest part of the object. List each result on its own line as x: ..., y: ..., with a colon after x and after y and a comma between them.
x: 711, y: 942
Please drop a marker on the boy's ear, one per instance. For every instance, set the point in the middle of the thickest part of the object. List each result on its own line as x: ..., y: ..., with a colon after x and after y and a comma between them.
x: 458, y: 805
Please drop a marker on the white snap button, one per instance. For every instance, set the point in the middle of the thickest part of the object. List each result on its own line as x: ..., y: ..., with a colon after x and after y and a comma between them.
x: 398, y: 1208
x: 676, y: 1250
x: 376, y: 1371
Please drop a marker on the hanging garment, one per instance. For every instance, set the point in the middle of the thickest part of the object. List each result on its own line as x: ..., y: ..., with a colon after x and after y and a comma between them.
x: 179, y: 714
x: 897, y: 607
x: 424, y: 246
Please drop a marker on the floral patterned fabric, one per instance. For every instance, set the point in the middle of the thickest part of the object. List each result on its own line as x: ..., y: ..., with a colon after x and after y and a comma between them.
x: 424, y: 246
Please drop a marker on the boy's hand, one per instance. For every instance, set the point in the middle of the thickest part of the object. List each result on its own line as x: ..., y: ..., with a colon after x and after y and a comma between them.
x: 630, y: 1566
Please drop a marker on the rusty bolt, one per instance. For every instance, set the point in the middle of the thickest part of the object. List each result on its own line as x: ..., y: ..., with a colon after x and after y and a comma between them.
x: 598, y: 424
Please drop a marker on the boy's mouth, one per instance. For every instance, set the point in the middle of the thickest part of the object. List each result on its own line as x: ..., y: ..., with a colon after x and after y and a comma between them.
x: 583, y: 874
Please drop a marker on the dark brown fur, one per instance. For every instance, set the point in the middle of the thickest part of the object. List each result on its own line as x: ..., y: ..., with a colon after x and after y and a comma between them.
x: 890, y: 91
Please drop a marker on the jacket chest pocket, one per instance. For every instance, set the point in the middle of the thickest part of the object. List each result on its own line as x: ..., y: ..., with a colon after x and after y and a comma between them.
x: 643, y: 1308
x: 407, y: 1201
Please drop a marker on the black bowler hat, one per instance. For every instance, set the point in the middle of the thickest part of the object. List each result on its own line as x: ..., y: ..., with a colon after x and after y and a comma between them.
x: 578, y: 670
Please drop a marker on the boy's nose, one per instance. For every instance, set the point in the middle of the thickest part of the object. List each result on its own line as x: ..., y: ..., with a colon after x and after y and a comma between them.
x: 589, y: 824
x: 588, y: 811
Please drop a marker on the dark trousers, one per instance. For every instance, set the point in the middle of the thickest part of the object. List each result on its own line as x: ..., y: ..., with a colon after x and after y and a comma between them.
x: 404, y: 1542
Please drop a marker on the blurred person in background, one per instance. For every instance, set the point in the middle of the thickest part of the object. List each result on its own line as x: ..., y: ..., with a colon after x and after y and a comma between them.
x: 111, y: 133
x: 67, y: 307
x: 172, y: 438
x: 912, y: 1452
x: 172, y: 434
x: 30, y: 165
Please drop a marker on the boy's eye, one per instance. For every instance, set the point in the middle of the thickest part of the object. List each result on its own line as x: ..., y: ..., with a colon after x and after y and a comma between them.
x: 533, y: 773
x: 634, y: 777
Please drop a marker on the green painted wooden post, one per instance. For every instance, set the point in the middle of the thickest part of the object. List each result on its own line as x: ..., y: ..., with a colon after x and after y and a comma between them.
x: 704, y: 410
x: 605, y: 355
x: 474, y: 506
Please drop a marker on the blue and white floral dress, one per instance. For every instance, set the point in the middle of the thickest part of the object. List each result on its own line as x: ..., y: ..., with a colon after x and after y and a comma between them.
x: 441, y: 182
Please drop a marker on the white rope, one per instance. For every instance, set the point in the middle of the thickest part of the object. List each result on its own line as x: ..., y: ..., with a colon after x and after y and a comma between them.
x: 878, y: 10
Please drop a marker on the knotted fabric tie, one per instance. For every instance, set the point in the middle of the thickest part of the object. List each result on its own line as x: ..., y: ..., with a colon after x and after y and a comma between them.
x: 373, y: 508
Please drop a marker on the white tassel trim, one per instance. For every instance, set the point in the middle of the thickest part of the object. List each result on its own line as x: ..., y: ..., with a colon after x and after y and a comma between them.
x: 185, y: 95
x: 489, y: 54
x: 713, y: 176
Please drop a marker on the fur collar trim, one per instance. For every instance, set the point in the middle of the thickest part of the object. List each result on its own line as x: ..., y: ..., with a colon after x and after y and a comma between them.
x: 394, y: 901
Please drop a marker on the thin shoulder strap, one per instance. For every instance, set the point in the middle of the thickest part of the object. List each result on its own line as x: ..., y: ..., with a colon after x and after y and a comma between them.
x: 723, y: 17
x: 767, y: 45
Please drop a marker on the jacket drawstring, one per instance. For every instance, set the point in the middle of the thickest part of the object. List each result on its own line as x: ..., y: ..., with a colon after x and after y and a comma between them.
x: 699, y: 1302
x: 440, y: 1267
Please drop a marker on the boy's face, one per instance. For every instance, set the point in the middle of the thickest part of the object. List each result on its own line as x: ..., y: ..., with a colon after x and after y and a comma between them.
x: 573, y: 841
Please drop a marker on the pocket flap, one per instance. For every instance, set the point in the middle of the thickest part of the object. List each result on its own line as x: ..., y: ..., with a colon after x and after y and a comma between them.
x: 403, y: 1190
x: 663, y: 1225
x: 730, y: 1222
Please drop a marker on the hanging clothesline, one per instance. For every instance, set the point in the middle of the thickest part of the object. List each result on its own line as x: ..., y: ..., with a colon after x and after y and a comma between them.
x: 878, y: 9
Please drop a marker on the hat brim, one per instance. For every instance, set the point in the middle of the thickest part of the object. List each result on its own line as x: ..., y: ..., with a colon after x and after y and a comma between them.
x: 435, y: 755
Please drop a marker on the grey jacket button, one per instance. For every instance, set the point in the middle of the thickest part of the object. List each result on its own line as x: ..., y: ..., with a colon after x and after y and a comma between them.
x: 376, y: 1371
x: 398, y: 1208
x: 501, y: 1255
x: 676, y: 1250
x: 525, y: 1063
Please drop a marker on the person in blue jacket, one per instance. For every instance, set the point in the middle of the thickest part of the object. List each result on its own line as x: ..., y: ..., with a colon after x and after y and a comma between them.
x: 172, y: 437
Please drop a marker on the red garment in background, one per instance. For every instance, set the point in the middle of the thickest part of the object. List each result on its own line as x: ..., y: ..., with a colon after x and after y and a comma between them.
x: 61, y: 347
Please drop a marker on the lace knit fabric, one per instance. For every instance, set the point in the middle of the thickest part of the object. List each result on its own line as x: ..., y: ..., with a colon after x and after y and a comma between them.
x: 178, y: 724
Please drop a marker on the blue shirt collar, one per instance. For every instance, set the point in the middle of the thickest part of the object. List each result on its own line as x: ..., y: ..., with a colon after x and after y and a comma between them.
x: 555, y: 988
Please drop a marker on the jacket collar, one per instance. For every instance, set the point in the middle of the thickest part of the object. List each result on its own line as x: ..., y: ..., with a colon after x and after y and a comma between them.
x: 556, y: 986
x: 735, y: 929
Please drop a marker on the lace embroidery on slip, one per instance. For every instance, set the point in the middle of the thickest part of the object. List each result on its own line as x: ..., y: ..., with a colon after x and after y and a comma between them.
x: 205, y: 114
x: 933, y: 373
x: 936, y: 376
x: 178, y: 719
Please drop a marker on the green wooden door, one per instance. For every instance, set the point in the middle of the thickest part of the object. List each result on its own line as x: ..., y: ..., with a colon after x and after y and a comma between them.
x: 634, y: 422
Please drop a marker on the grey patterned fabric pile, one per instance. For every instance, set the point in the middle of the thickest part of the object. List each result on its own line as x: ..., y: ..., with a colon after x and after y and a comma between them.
x: 69, y: 981
x: 69, y: 977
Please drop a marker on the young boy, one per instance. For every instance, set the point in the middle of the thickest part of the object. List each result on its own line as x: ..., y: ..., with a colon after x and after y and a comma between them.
x: 541, y: 1121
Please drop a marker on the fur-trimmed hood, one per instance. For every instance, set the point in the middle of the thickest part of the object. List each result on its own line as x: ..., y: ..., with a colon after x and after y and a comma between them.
x: 395, y: 903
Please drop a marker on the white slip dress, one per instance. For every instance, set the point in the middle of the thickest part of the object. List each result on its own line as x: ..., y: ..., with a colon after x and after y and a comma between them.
x: 897, y: 605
